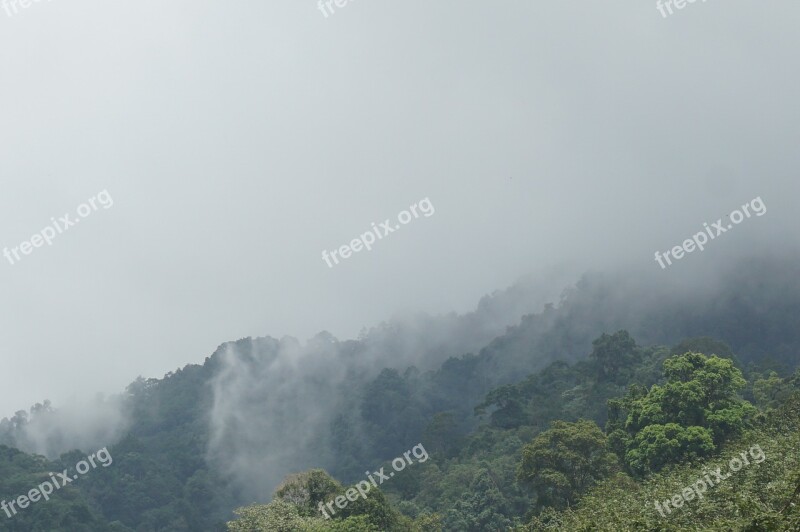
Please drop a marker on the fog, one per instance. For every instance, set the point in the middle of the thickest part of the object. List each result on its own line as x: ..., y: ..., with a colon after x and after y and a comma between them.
x: 274, y: 401
x: 282, y: 406
x: 77, y: 424
x: 240, y: 141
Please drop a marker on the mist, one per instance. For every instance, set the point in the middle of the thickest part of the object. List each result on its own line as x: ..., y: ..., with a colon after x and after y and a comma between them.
x: 275, y: 401
x: 176, y: 176
x: 238, y: 144
x: 87, y: 424
x: 278, y: 405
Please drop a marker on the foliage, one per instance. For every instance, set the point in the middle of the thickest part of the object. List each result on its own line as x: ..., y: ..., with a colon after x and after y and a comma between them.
x: 564, y: 461
x: 685, y: 418
x: 533, y: 378
x: 758, y: 497
x: 613, y: 356
x: 67, y: 510
x: 306, y: 490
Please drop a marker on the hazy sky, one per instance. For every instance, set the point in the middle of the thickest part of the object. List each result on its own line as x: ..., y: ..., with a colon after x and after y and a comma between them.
x: 240, y: 139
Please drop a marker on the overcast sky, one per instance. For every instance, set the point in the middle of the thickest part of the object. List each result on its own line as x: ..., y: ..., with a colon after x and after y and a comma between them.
x: 240, y: 139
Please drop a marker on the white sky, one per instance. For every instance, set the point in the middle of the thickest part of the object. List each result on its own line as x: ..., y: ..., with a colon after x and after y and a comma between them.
x: 240, y: 139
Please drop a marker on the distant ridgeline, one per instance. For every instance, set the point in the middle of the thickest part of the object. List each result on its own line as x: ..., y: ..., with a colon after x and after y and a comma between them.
x: 262, y: 414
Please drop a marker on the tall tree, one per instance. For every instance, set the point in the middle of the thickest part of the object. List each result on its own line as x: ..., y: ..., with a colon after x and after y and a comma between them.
x: 563, y: 462
x: 687, y: 417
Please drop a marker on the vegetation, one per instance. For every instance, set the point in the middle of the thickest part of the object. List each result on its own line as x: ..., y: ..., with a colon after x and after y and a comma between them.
x: 564, y: 422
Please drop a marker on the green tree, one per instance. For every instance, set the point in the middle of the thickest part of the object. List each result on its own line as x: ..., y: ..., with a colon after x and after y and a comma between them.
x: 771, y: 391
x: 613, y: 356
x: 277, y: 516
x: 508, y: 399
x: 563, y: 462
x: 441, y: 435
x: 307, y: 489
x: 695, y: 410
x: 483, y: 507
x: 658, y: 445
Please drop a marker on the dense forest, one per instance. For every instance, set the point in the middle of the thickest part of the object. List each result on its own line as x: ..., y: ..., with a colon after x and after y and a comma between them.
x: 623, y: 406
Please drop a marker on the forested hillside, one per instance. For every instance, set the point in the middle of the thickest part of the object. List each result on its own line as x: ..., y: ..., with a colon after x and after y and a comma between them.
x: 581, y: 415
